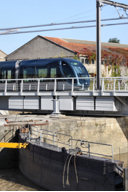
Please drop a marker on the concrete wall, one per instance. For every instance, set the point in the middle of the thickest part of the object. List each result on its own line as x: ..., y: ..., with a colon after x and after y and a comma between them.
x: 39, y: 48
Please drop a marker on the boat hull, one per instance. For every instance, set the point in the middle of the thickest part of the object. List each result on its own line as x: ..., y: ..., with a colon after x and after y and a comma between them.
x: 58, y: 170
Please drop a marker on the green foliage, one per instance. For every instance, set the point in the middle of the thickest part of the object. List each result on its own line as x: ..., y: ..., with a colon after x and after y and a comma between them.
x: 76, y: 57
x: 93, y: 56
x: 114, y: 40
x: 116, y: 72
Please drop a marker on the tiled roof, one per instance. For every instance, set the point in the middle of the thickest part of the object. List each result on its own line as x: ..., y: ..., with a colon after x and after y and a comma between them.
x: 76, y: 47
x: 89, y: 47
x: 94, y: 43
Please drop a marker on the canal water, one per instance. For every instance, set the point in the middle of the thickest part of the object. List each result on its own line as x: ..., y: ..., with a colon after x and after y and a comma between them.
x: 13, y: 180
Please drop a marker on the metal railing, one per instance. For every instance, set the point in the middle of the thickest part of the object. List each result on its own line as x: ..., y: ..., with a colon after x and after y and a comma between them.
x: 8, y: 132
x: 88, y: 148
x: 60, y: 140
x: 62, y: 84
x: 50, y: 137
x: 7, y: 136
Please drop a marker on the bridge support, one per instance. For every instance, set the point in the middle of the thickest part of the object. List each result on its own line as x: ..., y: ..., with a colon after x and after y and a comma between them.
x: 56, y: 107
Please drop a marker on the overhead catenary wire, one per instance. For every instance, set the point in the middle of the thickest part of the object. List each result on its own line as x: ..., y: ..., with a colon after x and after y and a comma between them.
x: 61, y: 23
x: 63, y: 28
x: 75, y: 16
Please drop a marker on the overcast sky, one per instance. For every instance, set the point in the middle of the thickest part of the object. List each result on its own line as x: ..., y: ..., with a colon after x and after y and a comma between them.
x: 16, y: 13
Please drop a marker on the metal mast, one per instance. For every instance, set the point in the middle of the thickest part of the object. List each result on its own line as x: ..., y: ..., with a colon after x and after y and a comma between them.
x: 98, y: 44
x: 98, y: 35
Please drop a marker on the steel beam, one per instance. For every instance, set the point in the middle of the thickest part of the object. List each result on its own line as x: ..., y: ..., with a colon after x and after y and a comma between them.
x: 113, y: 3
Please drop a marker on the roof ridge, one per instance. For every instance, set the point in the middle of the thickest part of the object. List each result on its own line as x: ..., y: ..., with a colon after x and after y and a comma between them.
x: 94, y: 42
x: 3, y: 52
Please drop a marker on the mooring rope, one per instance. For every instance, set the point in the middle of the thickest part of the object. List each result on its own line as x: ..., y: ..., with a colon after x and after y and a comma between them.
x: 64, y: 170
x: 67, y: 162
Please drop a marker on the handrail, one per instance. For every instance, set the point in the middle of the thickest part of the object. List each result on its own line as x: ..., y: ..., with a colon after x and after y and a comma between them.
x: 37, y: 85
x: 3, y: 138
x: 53, y: 134
x: 61, y: 78
x: 83, y: 143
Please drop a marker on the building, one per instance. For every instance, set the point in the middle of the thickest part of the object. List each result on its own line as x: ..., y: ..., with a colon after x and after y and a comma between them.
x: 114, y: 56
x: 2, y: 56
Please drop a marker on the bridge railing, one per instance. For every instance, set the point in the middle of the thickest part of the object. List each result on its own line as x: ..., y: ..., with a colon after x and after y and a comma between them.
x: 63, y: 84
x: 114, y: 84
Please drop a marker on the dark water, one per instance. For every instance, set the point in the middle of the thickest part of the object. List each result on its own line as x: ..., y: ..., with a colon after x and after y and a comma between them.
x: 13, y: 180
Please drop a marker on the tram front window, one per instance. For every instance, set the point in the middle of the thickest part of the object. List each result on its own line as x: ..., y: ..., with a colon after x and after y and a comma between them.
x: 79, y: 69
x: 81, y: 72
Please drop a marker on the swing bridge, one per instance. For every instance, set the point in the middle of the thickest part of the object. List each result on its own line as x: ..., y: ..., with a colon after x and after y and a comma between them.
x: 62, y: 95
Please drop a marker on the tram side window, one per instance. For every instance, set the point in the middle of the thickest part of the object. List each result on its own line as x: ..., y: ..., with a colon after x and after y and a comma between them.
x: 42, y: 73
x: 53, y: 73
x: 67, y: 70
x: 0, y: 74
x: 3, y: 74
x: 54, y: 70
x: 9, y: 74
x: 29, y: 72
x: 6, y: 74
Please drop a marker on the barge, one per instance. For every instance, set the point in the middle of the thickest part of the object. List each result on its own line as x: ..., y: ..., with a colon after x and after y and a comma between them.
x: 68, y: 165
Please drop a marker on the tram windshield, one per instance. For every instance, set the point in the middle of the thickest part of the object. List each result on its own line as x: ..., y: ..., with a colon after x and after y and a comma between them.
x: 79, y: 69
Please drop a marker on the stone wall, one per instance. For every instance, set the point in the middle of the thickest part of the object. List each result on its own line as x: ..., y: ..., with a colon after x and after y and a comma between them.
x: 107, y: 130
x: 112, y: 131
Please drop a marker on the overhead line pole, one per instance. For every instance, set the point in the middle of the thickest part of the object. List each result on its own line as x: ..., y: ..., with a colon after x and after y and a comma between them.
x: 98, y: 44
x: 99, y: 3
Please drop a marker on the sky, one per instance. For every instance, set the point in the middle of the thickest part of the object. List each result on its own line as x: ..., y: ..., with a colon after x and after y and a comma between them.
x: 16, y: 13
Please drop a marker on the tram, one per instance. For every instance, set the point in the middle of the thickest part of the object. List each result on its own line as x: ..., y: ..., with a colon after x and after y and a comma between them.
x: 46, y: 68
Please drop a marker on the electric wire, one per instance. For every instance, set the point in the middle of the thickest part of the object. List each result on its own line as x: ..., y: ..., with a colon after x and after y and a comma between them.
x: 61, y: 23
x: 64, y: 28
x: 75, y: 16
x: 82, y: 15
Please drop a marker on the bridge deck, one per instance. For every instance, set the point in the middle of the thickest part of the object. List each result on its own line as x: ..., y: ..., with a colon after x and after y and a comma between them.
x: 65, y: 94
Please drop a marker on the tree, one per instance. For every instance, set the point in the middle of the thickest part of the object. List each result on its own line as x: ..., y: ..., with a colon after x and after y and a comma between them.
x: 114, y: 40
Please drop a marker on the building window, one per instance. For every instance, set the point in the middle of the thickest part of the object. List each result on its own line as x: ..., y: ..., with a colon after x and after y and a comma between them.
x: 92, y: 61
x: 86, y: 61
x: 82, y: 60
